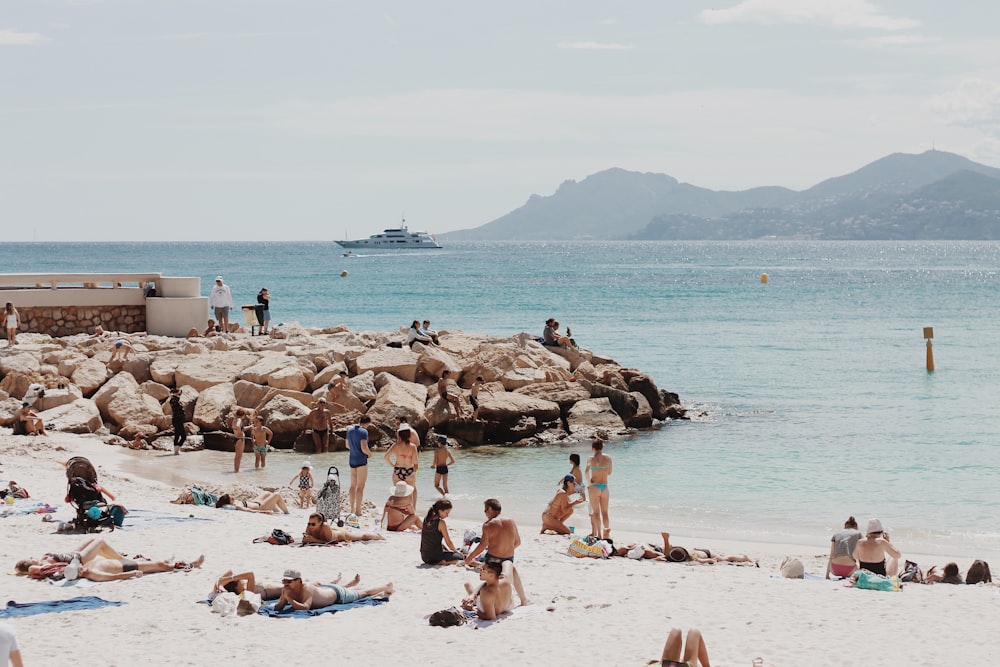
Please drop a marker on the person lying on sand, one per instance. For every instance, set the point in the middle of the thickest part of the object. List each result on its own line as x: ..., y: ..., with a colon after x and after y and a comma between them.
x: 247, y: 581
x: 496, y: 594
x: 694, y: 651
x: 676, y: 554
x: 300, y: 595
x: 268, y: 502
x: 318, y: 531
x: 97, y: 560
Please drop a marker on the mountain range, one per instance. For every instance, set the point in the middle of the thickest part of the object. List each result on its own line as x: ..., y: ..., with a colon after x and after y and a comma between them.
x: 931, y: 195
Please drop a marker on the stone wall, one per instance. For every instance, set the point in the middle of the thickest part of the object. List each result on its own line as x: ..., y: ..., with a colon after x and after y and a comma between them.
x: 69, y: 320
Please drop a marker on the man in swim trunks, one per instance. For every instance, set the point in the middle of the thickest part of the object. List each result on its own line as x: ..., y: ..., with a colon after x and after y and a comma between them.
x: 496, y: 595
x: 260, y: 436
x: 300, y: 595
x: 320, y: 421
x: 447, y: 396
x: 500, y: 539
x: 442, y: 459
x: 357, y: 445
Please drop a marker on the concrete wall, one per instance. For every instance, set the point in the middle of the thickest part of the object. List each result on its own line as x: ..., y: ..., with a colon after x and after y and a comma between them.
x: 68, y: 320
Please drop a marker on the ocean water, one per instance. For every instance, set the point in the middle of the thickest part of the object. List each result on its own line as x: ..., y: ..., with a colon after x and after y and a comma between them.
x: 809, y: 393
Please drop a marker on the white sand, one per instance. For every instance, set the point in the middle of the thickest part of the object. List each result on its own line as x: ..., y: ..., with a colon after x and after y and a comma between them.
x: 613, y: 612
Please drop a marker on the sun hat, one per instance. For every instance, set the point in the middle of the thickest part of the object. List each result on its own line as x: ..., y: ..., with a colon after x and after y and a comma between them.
x: 401, y: 490
x: 442, y: 438
x: 218, y: 279
x: 874, y: 526
x: 569, y: 478
x: 291, y: 574
x: 322, y: 400
x: 307, y: 464
x: 403, y: 427
x: 677, y: 554
x: 636, y: 552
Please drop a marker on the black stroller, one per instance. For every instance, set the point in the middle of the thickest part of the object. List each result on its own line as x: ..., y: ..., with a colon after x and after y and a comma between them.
x: 328, y: 499
x: 92, y: 512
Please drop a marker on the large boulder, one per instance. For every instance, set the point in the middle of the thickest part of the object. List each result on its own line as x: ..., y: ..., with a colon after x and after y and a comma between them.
x: 9, y: 407
x: 102, y: 397
x: 268, y: 364
x: 400, y: 362
x: 644, y: 385
x: 622, y: 402
x: 397, y: 398
x: 325, y: 376
x: 138, y: 366
x: 500, y: 432
x: 595, y: 412
x: 510, y: 407
x: 201, y: 371
x: 643, y: 417
x: 212, y: 409
x: 16, y: 383
x: 80, y: 416
x: 286, y: 418
x: 56, y: 397
x: 89, y: 376
x: 434, y: 360
x: 128, y: 408
x: 67, y: 363
x: 293, y: 377
x: 19, y: 363
x: 155, y: 389
x: 516, y: 378
x: 564, y: 393
x: 363, y: 386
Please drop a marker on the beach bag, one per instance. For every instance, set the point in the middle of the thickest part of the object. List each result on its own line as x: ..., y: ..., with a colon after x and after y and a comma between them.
x: 225, y: 604
x: 581, y: 549
x: 278, y: 536
x: 201, y: 497
x: 911, y: 573
x: 328, y: 498
x: 447, y: 618
x: 876, y: 582
x: 979, y: 572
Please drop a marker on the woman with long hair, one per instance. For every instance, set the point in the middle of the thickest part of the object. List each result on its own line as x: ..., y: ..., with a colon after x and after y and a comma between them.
x: 434, y: 537
x: 599, y: 468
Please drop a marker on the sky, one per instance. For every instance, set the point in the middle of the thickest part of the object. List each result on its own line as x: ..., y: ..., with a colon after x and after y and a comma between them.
x: 158, y: 120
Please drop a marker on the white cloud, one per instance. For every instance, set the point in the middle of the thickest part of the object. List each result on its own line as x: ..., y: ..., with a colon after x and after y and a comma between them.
x: 14, y: 38
x: 973, y: 103
x: 838, y: 13
x: 910, y: 39
x: 597, y: 46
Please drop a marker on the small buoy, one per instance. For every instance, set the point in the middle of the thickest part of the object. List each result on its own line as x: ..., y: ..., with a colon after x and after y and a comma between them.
x: 763, y: 277
x: 343, y: 274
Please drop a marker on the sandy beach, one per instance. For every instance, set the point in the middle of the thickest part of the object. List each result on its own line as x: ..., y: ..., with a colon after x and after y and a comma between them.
x: 615, y: 611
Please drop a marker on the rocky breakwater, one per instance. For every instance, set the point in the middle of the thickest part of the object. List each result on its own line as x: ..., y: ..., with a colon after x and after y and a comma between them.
x: 530, y: 393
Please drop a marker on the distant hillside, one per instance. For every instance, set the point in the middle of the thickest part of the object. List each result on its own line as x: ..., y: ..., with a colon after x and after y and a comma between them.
x: 927, y: 196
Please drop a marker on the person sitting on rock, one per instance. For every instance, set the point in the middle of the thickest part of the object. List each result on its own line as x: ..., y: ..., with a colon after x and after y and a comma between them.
x: 447, y: 396
x: 120, y: 352
x: 551, y: 336
x: 29, y: 421
x: 414, y: 335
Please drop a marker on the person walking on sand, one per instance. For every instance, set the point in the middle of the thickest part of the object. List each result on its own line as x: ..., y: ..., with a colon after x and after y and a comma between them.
x: 177, y: 420
x: 305, y: 484
x: 442, y: 459
x: 264, y: 303
x: 220, y: 300
x: 12, y: 322
x: 240, y: 425
x: 320, y: 422
x: 500, y: 539
x: 599, y: 467
x: 260, y: 437
x: 359, y: 453
x: 10, y: 652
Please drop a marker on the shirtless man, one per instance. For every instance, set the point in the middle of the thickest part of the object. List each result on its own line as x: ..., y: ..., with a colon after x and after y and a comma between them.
x: 442, y: 387
x: 403, y: 457
x: 495, y: 596
x: 337, y: 388
x: 318, y: 531
x: 247, y: 581
x: 300, y: 595
x: 260, y: 436
x: 96, y: 560
x: 320, y: 421
x: 500, y: 538
x: 120, y: 352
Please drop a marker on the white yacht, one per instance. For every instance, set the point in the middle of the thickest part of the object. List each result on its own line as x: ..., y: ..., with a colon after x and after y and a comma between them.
x: 399, y: 238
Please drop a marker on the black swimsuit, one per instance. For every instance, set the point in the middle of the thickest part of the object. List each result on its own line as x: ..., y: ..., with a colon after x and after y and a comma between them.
x: 874, y: 568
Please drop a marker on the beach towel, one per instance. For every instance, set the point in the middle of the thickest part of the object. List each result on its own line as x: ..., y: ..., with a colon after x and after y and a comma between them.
x: 22, y: 506
x: 51, y: 606
x: 151, y: 519
x: 288, y: 612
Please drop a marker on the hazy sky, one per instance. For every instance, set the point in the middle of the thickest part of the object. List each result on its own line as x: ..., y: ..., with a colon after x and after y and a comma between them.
x: 312, y: 119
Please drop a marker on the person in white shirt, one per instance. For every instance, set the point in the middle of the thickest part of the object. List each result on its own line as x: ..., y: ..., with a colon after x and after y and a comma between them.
x: 221, y: 301
x: 9, y: 650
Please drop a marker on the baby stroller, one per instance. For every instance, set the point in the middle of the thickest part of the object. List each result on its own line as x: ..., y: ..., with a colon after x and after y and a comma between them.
x: 83, y: 492
x: 328, y: 499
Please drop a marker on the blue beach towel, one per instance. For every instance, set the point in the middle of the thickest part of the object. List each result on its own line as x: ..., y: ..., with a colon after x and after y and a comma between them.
x: 151, y: 519
x: 288, y: 612
x: 51, y: 606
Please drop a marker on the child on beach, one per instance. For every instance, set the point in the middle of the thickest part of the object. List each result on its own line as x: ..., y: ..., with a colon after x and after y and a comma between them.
x: 305, y: 481
x: 442, y: 459
x: 581, y: 488
x: 474, y: 397
x: 260, y: 437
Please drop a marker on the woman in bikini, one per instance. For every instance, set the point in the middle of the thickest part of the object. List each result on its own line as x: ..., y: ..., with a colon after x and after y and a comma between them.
x: 560, y: 508
x: 96, y: 560
x: 400, y: 510
x: 240, y: 425
x: 268, y: 502
x: 403, y: 457
x: 841, y: 561
x: 599, y: 469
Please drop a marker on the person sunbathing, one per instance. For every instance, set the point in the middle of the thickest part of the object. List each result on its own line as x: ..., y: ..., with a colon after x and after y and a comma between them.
x: 268, y: 502
x: 247, y: 581
x: 676, y: 554
x: 318, y: 531
x: 693, y: 650
x: 96, y: 560
x: 496, y: 595
x: 300, y: 595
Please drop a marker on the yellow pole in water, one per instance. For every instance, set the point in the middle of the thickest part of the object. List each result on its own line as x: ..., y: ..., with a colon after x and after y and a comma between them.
x: 929, y: 334
x: 763, y: 277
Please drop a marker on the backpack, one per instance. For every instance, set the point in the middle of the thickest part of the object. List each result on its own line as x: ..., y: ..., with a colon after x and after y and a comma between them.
x: 447, y: 618
x: 278, y: 536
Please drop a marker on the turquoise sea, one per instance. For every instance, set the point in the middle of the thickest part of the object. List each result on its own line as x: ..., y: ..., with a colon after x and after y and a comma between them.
x: 810, y: 395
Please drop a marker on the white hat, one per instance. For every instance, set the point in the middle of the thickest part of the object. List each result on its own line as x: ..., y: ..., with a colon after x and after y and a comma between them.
x: 307, y: 464
x: 874, y: 526
x: 401, y: 490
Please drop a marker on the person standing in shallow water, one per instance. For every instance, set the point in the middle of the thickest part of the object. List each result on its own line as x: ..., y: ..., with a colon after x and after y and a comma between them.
x: 599, y: 468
